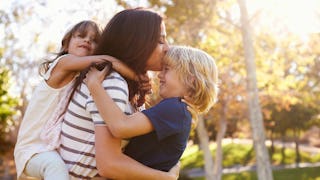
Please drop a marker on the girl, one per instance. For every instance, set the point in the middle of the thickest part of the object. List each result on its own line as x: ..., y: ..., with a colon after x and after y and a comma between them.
x: 38, y: 136
x: 160, y: 133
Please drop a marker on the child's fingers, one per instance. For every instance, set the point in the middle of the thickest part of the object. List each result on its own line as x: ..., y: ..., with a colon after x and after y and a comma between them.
x: 144, y: 78
x: 109, y: 58
x: 146, y: 87
x: 93, y: 74
x: 190, y: 106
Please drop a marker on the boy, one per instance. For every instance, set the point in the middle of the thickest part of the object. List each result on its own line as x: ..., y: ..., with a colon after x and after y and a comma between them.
x: 159, y: 135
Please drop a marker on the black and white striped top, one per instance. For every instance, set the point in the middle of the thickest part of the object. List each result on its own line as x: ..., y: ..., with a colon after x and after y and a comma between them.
x: 77, y: 135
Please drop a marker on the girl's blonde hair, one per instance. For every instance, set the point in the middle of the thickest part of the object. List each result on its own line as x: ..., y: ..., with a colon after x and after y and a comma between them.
x: 199, y: 73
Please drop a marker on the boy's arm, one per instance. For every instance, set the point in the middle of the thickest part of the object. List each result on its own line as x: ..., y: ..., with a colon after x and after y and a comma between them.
x: 120, y: 125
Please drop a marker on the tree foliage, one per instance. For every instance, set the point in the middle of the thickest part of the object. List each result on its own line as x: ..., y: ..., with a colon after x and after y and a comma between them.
x: 8, y: 104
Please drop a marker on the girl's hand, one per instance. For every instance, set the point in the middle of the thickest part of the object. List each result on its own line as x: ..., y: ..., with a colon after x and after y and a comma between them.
x: 94, y: 77
x: 144, y: 83
x: 120, y: 67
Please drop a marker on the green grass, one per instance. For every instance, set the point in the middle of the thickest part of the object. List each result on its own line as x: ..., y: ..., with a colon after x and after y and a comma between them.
x: 239, y: 154
x: 310, y: 173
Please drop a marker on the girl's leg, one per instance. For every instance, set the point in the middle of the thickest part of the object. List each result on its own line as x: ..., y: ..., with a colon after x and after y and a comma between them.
x: 48, y: 166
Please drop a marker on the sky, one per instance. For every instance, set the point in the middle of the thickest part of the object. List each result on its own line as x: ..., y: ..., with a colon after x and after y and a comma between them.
x: 298, y: 16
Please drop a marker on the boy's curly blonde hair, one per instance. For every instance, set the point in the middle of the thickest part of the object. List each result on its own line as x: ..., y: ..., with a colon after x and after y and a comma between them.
x: 198, y: 71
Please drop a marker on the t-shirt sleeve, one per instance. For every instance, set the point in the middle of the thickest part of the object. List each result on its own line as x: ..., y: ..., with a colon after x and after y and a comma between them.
x: 117, y: 89
x: 167, y: 117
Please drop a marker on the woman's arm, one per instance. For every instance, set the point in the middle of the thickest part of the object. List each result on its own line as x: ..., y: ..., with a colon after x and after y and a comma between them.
x: 120, y: 125
x: 112, y: 163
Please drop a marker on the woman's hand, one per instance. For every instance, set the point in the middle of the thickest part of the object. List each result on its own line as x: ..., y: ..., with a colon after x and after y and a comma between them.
x: 94, y: 77
x: 174, y: 171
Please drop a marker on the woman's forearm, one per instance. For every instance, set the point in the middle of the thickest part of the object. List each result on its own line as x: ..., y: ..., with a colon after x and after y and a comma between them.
x: 112, y: 163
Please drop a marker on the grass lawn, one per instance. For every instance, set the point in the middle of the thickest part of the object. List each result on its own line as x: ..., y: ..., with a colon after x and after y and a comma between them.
x: 239, y: 154
x: 312, y: 173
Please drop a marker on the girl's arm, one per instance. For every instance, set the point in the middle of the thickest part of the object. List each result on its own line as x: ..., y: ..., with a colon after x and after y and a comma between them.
x: 112, y: 163
x: 120, y: 125
x: 76, y: 63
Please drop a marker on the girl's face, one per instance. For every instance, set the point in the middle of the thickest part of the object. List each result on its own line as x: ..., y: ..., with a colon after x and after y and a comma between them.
x: 154, y: 61
x: 83, y: 44
x: 170, y: 85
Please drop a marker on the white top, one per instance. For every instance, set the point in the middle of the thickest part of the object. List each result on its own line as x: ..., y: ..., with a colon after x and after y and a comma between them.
x: 41, y: 107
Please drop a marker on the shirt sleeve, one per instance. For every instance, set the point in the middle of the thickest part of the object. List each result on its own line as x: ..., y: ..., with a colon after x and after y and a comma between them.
x: 117, y: 89
x: 167, y: 117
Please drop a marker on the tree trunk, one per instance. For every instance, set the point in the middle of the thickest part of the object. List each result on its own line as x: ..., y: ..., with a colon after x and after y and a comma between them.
x: 283, y: 149
x: 217, y: 169
x: 204, y: 145
x: 255, y: 116
x: 272, y: 143
x: 296, y: 141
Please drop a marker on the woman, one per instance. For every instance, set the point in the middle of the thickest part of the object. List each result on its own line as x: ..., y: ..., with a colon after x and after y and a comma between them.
x: 137, y: 37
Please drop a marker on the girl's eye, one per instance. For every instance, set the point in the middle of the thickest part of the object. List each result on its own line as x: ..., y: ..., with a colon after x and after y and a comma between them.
x: 79, y: 35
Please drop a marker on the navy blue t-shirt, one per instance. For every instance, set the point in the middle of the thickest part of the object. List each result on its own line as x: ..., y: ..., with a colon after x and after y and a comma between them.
x: 162, y: 148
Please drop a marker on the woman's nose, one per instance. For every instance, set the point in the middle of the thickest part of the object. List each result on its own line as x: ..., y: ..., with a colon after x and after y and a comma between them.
x: 166, y: 47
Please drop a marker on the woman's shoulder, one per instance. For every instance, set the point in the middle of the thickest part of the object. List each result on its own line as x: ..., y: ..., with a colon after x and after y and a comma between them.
x: 115, y: 76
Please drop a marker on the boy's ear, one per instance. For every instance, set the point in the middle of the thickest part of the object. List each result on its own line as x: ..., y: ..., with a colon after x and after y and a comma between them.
x: 192, y: 79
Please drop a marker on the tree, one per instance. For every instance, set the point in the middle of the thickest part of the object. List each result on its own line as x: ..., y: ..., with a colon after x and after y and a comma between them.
x: 8, y: 104
x: 255, y: 116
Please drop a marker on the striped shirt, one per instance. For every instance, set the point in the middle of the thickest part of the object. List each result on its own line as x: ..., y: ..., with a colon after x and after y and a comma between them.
x: 77, y: 136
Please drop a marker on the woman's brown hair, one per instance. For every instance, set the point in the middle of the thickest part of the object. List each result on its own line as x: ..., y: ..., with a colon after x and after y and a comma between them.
x: 131, y: 36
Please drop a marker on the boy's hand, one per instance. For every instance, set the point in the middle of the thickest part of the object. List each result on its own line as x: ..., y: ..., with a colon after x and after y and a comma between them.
x: 95, y: 77
x: 102, y: 65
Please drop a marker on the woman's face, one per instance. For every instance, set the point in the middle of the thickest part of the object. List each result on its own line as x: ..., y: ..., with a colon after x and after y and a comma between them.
x: 155, y: 60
